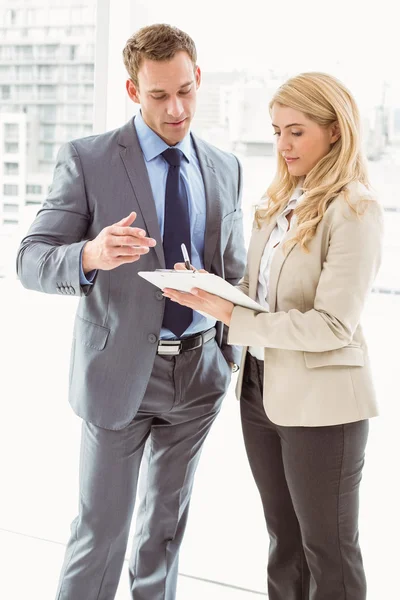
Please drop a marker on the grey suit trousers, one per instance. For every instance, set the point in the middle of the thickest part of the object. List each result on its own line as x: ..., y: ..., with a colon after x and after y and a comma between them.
x: 182, y: 400
x: 308, y: 479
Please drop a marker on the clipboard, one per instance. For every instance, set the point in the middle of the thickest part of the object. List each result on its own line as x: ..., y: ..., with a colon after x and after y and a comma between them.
x: 184, y: 281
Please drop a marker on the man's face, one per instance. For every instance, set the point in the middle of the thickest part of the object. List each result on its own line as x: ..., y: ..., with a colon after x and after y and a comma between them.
x: 167, y: 95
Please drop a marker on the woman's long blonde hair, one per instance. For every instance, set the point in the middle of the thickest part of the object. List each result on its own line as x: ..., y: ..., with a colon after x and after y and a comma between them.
x: 324, y: 100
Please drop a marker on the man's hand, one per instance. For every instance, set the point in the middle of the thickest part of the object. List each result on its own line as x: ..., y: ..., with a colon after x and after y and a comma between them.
x: 116, y: 245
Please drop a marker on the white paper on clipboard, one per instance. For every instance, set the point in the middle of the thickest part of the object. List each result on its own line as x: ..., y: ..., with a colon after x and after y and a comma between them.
x: 184, y: 281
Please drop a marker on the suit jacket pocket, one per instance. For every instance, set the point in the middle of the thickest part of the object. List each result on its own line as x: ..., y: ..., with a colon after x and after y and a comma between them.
x: 230, y: 216
x: 350, y: 356
x: 227, y: 224
x: 90, y: 334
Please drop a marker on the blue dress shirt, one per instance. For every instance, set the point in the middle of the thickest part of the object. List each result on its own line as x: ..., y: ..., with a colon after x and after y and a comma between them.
x: 157, y: 167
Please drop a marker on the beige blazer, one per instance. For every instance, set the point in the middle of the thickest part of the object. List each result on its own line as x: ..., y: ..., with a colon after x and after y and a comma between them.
x: 317, y: 370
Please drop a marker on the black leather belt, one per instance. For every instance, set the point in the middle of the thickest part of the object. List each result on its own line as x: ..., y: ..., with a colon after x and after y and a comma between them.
x: 192, y: 342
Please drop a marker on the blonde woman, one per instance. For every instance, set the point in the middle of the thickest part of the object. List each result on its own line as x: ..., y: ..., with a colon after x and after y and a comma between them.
x: 305, y: 384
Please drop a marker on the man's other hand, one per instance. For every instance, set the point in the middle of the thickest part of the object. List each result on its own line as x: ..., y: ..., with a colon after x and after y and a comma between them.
x: 116, y: 245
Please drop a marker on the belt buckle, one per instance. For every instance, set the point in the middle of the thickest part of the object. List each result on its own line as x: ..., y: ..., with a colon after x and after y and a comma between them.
x: 170, y: 348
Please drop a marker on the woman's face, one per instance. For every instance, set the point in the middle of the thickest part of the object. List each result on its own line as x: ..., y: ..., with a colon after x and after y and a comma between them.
x: 301, y: 142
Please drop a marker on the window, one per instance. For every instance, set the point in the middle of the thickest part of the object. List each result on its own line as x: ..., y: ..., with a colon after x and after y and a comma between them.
x: 31, y: 17
x: 10, y: 189
x: 88, y: 72
x: 10, y: 17
x: 11, y: 168
x: 10, y: 208
x: 72, y: 112
x: 25, y: 52
x: 5, y: 92
x: 46, y: 73
x: 71, y: 73
x: 48, y: 112
x: 47, y: 51
x: 88, y: 92
x: 5, y: 72
x: 10, y: 221
x: 33, y: 189
x: 11, y: 147
x: 7, y: 52
x: 72, y: 92
x: 87, y: 113
x: 86, y: 52
x: 47, y: 92
x: 72, y: 131
x: 26, y: 92
x: 24, y: 73
x: 48, y: 132
x: 396, y: 122
x: 58, y: 16
x: 77, y: 16
x: 47, y: 151
x: 11, y: 131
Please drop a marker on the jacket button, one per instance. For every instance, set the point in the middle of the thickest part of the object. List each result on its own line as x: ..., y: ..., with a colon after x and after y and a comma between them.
x: 159, y: 295
x: 152, y: 338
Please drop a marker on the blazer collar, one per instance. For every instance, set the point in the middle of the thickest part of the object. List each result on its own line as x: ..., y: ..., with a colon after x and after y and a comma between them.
x: 259, y: 240
x: 213, y: 200
x: 134, y: 162
x: 282, y: 252
x: 132, y: 157
x: 278, y: 260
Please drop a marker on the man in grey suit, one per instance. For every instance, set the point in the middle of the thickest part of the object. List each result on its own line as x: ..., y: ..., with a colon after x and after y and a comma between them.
x: 141, y: 370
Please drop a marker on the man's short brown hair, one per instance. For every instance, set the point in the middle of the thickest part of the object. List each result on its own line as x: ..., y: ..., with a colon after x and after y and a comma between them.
x: 156, y: 42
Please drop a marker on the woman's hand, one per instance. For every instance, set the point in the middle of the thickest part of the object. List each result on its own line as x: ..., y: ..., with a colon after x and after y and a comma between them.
x: 200, y: 300
x: 182, y: 267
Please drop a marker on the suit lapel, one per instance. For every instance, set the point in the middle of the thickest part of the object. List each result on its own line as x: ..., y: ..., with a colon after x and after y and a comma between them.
x: 132, y: 157
x: 213, y: 201
x: 258, y: 241
x: 277, y: 263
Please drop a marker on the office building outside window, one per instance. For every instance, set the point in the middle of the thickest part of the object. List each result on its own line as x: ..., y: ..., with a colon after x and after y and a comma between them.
x: 46, y: 94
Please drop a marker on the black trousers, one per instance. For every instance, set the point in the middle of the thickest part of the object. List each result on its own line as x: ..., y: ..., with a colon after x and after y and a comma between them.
x: 308, y: 479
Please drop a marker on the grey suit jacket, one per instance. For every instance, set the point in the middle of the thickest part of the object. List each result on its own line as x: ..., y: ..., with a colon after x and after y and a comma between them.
x: 98, y: 180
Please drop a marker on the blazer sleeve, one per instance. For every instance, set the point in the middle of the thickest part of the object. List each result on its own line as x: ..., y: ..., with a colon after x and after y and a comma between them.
x: 243, y: 284
x: 48, y: 259
x: 348, y: 272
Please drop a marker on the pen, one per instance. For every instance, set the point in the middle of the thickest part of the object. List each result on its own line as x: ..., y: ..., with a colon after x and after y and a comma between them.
x: 186, y: 257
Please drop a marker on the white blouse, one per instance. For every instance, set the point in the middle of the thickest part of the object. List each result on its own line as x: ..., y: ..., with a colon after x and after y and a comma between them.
x: 281, y: 228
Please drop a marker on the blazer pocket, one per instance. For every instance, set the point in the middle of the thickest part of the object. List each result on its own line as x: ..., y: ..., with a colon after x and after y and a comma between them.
x: 227, y: 225
x: 90, y: 334
x: 350, y: 356
x: 229, y: 217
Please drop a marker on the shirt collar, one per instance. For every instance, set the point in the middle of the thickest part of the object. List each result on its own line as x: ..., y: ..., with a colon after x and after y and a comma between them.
x: 297, y: 195
x: 151, y: 143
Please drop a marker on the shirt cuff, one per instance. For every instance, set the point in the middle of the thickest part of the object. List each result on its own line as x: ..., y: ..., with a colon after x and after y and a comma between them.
x: 88, y: 278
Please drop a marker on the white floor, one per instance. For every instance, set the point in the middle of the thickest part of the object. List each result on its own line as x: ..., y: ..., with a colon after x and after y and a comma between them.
x: 226, y: 541
x: 33, y: 565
